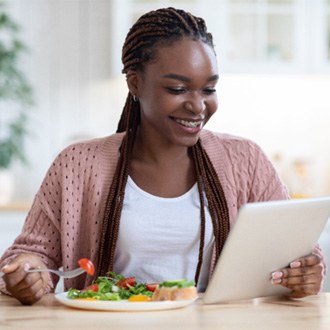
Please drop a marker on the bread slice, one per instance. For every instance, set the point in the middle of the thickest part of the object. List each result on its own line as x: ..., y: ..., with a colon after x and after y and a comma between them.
x: 174, y: 293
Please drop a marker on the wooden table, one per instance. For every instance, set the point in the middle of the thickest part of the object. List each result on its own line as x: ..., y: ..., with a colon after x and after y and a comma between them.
x: 269, y: 313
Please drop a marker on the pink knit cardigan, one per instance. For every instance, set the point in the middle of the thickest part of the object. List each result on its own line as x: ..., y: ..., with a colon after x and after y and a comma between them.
x: 65, y: 220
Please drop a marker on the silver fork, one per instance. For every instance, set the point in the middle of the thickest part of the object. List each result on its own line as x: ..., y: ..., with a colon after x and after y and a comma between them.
x: 68, y: 274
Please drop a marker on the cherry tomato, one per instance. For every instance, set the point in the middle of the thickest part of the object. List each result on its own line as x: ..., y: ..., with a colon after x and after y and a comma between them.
x: 93, y: 287
x: 87, y: 265
x: 126, y: 282
x: 139, y: 297
x: 151, y: 286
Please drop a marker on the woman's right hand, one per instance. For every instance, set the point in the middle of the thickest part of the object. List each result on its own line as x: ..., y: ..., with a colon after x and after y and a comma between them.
x: 28, y: 288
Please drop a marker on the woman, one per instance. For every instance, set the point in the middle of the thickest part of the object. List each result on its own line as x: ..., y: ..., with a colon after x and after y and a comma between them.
x: 157, y: 199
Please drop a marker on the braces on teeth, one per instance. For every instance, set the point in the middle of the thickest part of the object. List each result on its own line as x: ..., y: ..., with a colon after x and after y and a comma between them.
x: 192, y: 124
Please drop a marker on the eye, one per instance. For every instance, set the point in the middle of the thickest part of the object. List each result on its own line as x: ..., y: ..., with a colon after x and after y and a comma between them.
x: 176, y: 90
x: 209, y: 90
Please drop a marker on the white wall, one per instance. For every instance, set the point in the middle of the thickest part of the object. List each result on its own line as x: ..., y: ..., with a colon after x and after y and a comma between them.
x: 69, y: 53
x: 286, y: 115
x: 69, y: 67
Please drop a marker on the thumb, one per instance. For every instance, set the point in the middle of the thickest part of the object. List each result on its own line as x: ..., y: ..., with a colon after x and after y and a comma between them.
x: 12, y: 267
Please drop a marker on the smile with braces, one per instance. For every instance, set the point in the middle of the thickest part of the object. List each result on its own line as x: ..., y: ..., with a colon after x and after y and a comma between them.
x: 190, y: 124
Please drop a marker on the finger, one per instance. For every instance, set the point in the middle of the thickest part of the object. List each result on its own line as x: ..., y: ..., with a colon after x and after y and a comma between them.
x: 309, y: 275
x: 16, y: 267
x: 29, y: 298
x: 302, y: 291
x: 14, y: 279
x: 276, y: 277
x: 29, y: 293
x: 10, y: 268
x: 32, y: 289
x: 20, y: 280
x: 295, y: 272
x: 308, y: 261
x: 301, y: 275
x: 283, y: 275
x: 317, y: 269
x: 301, y: 279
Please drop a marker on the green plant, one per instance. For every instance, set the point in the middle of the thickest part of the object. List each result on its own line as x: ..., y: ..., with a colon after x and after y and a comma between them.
x: 16, y: 95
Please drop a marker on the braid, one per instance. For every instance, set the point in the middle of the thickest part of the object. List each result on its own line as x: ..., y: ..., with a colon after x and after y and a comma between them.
x: 215, y: 196
x: 159, y: 28
x: 128, y: 122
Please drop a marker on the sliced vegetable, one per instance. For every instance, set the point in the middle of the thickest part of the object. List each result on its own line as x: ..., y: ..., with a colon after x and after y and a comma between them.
x: 89, y: 294
x: 139, y: 298
x: 152, y: 286
x: 126, y: 282
x: 93, y: 287
x: 87, y: 265
x: 183, y: 283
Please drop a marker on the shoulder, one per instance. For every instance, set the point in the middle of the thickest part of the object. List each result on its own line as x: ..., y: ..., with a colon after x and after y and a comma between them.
x: 245, y: 171
x: 85, y: 163
x: 98, y: 155
x: 88, y: 153
x: 93, y: 146
x: 232, y: 146
x: 208, y: 137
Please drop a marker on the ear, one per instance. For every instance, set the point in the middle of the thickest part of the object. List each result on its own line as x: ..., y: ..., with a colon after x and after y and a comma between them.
x: 132, y: 79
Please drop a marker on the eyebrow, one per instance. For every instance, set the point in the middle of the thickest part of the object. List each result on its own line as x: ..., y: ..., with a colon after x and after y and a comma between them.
x: 186, y: 79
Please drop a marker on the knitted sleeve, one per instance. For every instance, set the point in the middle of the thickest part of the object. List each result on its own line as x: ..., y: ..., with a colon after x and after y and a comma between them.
x: 39, y: 236
x: 265, y: 184
x: 65, y: 220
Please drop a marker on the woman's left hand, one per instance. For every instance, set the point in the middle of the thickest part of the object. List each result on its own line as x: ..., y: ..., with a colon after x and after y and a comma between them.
x: 303, y: 277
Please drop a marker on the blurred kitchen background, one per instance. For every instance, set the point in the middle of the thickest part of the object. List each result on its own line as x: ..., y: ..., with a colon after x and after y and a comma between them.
x: 274, y: 60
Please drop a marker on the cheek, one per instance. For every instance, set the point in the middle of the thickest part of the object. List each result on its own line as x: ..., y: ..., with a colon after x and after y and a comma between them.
x: 213, y: 106
x: 154, y: 109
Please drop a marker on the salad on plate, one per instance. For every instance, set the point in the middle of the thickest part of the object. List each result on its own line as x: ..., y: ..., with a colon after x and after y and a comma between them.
x: 115, y: 287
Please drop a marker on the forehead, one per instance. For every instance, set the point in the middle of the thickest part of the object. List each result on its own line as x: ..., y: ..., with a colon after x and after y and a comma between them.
x: 185, y: 57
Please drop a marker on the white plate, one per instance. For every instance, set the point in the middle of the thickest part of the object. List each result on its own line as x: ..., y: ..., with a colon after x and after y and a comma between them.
x: 121, y: 305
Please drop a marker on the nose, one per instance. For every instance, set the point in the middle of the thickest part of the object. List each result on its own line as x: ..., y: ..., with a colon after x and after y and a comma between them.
x: 195, y: 103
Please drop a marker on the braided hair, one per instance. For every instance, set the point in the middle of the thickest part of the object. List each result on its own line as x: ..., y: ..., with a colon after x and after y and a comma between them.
x: 158, y: 28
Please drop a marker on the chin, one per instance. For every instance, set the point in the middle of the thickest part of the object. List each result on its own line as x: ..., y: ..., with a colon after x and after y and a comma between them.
x: 187, y: 142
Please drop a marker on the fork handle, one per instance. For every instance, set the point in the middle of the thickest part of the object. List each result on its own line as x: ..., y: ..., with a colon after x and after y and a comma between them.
x: 37, y: 270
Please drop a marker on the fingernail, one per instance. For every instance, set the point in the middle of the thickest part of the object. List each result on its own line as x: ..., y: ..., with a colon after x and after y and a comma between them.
x: 277, y: 275
x: 4, y: 268
x: 295, y: 264
x: 278, y: 281
x: 26, y: 267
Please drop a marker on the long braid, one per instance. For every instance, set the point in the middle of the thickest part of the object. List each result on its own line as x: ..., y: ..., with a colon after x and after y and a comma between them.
x: 199, y: 171
x: 160, y: 28
x: 216, y: 198
x: 128, y: 122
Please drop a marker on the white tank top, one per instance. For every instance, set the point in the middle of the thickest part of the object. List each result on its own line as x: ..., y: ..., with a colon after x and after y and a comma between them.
x: 159, y: 237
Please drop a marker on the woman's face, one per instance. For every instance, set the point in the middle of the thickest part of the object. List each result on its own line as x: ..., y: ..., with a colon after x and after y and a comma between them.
x: 177, y: 93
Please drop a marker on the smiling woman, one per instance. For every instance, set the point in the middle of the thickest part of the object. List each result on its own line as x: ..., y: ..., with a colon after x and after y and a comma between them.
x: 160, y: 160
x: 157, y: 199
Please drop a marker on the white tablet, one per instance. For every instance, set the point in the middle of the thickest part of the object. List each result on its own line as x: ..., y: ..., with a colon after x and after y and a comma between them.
x: 266, y: 236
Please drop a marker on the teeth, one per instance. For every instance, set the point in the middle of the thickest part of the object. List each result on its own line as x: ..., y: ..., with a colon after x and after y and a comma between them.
x: 190, y: 124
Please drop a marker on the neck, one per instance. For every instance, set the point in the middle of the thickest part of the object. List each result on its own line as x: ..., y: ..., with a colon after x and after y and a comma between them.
x: 158, y: 152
